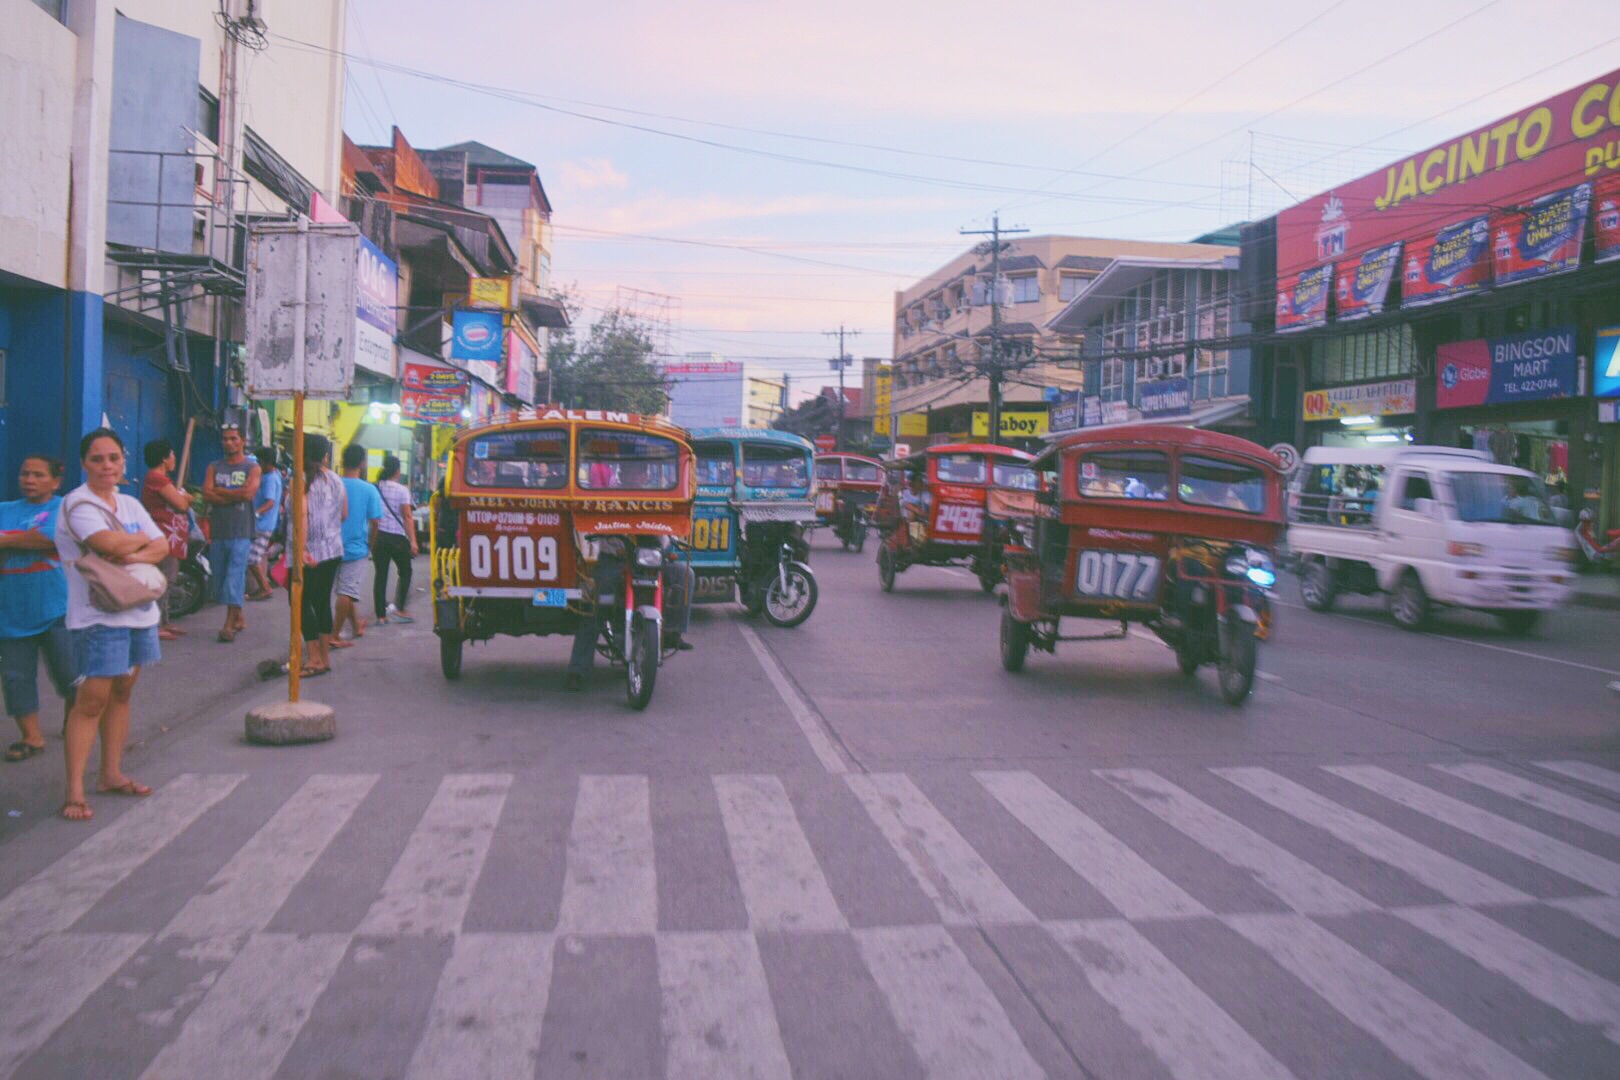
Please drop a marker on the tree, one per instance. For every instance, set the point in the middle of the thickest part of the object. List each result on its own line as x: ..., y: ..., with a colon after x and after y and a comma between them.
x: 611, y: 369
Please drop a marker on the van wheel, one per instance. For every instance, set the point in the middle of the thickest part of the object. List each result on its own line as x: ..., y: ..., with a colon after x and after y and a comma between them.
x: 1520, y: 623
x: 1409, y: 604
x: 1319, y: 586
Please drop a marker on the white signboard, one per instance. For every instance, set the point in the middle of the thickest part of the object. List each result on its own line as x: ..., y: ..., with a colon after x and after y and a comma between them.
x: 301, y: 303
x: 377, y: 292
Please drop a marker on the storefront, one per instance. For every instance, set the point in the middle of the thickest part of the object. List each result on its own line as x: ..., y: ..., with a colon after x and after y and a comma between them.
x: 1366, y: 414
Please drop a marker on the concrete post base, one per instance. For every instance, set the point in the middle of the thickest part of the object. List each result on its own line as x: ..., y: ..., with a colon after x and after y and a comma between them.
x: 286, y: 722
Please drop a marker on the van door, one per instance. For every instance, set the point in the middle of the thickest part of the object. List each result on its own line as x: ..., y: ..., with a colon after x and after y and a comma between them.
x: 1413, y: 531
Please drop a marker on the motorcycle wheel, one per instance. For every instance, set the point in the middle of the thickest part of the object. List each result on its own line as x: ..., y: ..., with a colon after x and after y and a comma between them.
x: 450, y: 646
x: 989, y: 575
x: 1014, y: 641
x: 791, y: 607
x: 1187, y: 659
x: 1236, y: 664
x: 844, y: 539
x: 187, y: 592
x: 886, y: 568
x: 641, y: 665
x: 860, y: 537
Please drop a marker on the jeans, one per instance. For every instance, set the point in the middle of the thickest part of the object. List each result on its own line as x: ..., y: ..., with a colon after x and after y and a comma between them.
x: 19, y: 668
x: 230, y: 559
x: 395, y: 549
x: 107, y: 652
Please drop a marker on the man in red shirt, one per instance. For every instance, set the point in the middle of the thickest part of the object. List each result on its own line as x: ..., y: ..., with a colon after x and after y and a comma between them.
x: 170, y: 508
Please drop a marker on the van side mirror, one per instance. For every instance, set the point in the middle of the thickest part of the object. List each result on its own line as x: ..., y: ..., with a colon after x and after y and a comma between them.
x: 1427, y: 507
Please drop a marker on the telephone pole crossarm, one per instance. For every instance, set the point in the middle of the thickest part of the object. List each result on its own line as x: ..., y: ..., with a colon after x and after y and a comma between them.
x: 994, y: 367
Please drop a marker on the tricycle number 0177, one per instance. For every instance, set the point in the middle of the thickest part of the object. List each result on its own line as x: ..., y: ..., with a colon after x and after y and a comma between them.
x: 1118, y: 575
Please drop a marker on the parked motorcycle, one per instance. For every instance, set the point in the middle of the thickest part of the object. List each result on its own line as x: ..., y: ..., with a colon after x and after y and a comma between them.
x: 1595, y: 552
x: 190, y: 587
x: 776, y: 578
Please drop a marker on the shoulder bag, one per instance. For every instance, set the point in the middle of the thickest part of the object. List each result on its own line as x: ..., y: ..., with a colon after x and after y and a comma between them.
x: 112, y: 587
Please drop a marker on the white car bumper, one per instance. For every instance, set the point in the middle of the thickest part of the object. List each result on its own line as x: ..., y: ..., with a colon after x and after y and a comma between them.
x: 1504, y: 587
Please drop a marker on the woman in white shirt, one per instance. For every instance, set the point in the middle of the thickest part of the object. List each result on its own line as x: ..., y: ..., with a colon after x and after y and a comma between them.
x: 109, y: 647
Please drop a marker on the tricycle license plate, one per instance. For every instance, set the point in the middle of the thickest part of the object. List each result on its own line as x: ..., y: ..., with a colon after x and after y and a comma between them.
x: 551, y: 598
x: 1117, y: 575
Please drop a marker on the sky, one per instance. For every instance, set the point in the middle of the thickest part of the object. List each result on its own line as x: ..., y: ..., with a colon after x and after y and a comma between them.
x: 781, y: 170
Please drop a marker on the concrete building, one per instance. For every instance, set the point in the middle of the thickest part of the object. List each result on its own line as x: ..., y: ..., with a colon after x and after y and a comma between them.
x: 942, y: 329
x: 137, y: 153
x: 708, y: 391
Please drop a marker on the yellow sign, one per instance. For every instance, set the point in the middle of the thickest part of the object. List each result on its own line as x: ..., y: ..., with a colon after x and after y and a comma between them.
x: 492, y: 292
x: 913, y: 424
x: 883, y: 400
x: 1014, y: 425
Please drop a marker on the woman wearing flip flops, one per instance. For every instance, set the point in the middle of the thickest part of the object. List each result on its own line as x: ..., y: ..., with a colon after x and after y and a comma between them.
x: 109, y: 647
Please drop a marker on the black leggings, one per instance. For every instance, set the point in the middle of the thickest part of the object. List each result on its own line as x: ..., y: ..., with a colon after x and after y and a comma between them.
x: 318, y: 581
x: 390, y: 548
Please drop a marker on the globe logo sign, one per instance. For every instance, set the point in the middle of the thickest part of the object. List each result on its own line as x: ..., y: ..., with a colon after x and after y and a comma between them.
x: 1448, y: 376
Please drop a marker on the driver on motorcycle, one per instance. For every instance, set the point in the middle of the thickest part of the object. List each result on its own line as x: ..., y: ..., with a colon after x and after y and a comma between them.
x: 607, y: 581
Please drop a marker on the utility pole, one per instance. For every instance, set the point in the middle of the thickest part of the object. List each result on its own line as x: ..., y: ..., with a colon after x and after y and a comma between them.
x: 994, y: 232
x: 841, y: 363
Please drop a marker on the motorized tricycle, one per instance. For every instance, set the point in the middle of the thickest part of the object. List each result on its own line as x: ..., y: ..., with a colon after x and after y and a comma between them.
x: 527, y: 509
x: 748, y: 530
x: 847, y: 486
x: 932, y: 510
x: 1168, y: 527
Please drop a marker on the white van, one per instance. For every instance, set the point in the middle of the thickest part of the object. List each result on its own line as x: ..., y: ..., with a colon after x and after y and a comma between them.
x: 1427, y: 525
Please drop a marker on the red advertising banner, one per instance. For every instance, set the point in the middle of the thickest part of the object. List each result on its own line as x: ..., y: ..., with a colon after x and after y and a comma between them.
x: 432, y: 393
x: 1608, y: 218
x: 1546, y: 147
x: 1453, y: 262
x: 1363, y: 284
x: 1542, y: 238
x: 1302, y: 300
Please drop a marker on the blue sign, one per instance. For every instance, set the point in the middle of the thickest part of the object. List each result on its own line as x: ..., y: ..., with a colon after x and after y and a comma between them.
x: 1521, y: 367
x: 1606, y: 363
x: 477, y: 335
x: 1164, y: 397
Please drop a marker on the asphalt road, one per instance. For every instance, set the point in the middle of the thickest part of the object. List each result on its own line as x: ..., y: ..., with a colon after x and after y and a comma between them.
x: 854, y: 849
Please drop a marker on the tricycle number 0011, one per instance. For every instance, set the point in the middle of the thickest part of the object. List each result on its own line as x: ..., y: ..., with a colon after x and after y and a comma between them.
x: 1118, y: 575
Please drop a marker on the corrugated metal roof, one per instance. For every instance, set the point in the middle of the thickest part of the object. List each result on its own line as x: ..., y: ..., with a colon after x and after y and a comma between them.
x: 480, y: 154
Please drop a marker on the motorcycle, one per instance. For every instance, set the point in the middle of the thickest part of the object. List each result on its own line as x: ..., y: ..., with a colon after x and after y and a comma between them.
x: 1593, y: 552
x: 190, y: 587
x: 775, y: 577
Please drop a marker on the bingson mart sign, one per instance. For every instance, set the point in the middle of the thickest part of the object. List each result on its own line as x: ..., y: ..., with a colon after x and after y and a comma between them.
x: 1523, y: 367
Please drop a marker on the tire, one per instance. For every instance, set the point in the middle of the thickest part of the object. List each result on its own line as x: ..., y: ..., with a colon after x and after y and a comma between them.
x: 1520, y: 623
x: 188, y: 591
x: 1318, y: 586
x: 753, y: 599
x: 450, y: 646
x: 1237, y: 660
x: 1015, y: 637
x: 885, y: 561
x: 860, y: 536
x: 1409, y: 604
x: 641, y: 665
x: 791, y: 610
x: 1186, y: 660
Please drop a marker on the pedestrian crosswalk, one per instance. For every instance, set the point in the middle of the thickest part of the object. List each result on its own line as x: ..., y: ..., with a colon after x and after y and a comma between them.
x: 1345, y: 890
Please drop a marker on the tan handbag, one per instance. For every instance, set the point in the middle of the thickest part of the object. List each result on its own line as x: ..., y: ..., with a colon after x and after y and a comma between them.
x: 113, y: 587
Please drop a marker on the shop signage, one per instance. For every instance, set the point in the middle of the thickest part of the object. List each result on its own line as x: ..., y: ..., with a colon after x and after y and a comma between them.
x: 1491, y: 371
x: 1388, y: 398
x: 1115, y: 412
x: 1091, y: 412
x: 1164, y: 397
x: 705, y: 367
x: 1065, y: 417
x: 1014, y: 425
x: 1302, y: 301
x: 1453, y: 262
x: 376, y: 296
x: 431, y: 393
x: 1542, y: 238
x: 1363, y: 284
x: 1606, y: 363
x: 913, y: 424
x: 519, y: 363
x: 1608, y: 218
x: 496, y: 293
x: 1543, y: 148
x: 882, y: 400
x: 476, y: 335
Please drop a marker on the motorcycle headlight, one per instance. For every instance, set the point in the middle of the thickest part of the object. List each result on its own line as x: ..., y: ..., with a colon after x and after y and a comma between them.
x: 649, y: 557
x: 1253, y: 565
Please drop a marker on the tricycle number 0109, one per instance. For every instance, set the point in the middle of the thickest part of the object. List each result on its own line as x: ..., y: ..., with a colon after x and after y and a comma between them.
x: 512, y: 558
x: 1118, y: 575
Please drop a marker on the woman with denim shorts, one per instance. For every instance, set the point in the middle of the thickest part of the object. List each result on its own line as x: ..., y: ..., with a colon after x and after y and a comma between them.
x: 109, y: 647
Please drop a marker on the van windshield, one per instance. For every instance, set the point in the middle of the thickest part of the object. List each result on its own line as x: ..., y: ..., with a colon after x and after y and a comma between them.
x: 1501, y: 498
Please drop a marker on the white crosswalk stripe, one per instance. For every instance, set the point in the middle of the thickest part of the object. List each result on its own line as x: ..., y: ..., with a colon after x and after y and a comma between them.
x: 1413, y: 1028
x: 1123, y: 877
x: 431, y: 885
x: 1596, y: 775
x: 782, y: 884
x: 1538, y: 795
x: 1602, y: 912
x: 1526, y: 843
x: 487, y: 1009
x: 246, y: 893
x: 1296, y: 882
x: 1455, y: 881
x: 953, y: 1021
x: 609, y: 885
x: 46, y: 980
x: 1180, y: 1023
x: 1578, y: 993
x: 718, y: 1019
x: 255, y: 1010
x: 56, y: 897
x: 961, y: 884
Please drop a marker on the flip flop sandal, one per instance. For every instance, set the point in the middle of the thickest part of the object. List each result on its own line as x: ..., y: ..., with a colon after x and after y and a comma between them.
x: 129, y: 788
x: 73, y: 804
x: 343, y: 644
x: 314, y: 673
x: 21, y: 751
x: 226, y: 636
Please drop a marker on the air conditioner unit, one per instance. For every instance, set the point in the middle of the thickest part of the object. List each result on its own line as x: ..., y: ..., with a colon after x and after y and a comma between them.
x: 251, y: 13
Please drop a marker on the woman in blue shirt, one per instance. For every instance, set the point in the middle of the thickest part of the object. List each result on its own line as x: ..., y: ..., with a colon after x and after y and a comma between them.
x: 33, y: 602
